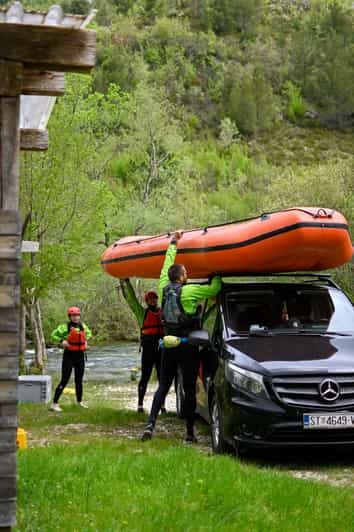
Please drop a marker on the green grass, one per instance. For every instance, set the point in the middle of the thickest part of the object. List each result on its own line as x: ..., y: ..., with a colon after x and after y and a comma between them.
x: 128, y: 485
x: 87, y: 470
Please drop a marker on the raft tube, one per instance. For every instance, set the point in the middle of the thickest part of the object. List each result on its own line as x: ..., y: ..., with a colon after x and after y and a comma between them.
x: 296, y: 239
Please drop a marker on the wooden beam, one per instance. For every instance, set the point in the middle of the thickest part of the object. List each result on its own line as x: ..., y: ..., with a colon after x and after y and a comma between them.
x: 8, y: 394
x: 43, y: 83
x: 34, y: 139
x: 8, y: 370
x: 9, y: 152
x: 10, y: 78
x: 9, y: 224
x: 10, y: 245
x: 49, y: 47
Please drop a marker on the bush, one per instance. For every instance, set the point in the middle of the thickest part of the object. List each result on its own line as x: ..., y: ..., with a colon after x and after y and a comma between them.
x: 296, y: 108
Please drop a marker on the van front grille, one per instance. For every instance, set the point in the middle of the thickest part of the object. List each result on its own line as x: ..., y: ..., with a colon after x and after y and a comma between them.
x: 304, y: 391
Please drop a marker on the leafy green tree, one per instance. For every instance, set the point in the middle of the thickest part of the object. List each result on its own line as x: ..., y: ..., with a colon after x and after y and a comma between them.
x: 252, y: 105
x: 63, y: 197
x: 238, y: 15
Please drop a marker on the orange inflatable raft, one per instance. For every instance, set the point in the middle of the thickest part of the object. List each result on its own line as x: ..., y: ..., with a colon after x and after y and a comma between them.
x: 297, y: 239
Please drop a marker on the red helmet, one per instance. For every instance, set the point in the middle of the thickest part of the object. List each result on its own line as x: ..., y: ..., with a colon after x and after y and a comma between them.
x: 149, y: 294
x: 73, y: 310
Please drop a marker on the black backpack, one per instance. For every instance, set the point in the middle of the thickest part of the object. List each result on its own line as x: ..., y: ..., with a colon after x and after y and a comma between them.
x: 174, y: 319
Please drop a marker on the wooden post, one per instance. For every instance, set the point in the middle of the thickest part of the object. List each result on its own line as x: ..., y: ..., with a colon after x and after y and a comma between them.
x: 10, y: 245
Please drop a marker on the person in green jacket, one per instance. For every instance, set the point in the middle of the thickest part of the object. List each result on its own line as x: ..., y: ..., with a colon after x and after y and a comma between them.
x: 149, y: 322
x: 182, y: 300
x: 72, y: 336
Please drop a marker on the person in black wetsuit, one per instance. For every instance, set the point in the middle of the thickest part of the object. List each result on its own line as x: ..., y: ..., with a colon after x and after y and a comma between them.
x: 149, y: 321
x: 73, y: 337
x: 182, y: 300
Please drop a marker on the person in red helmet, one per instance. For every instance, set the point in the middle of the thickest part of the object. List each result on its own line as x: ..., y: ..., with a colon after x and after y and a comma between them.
x: 73, y: 337
x: 149, y: 321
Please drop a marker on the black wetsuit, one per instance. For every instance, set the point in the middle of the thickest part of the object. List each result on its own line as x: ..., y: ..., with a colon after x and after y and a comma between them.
x: 76, y: 360
x: 150, y: 357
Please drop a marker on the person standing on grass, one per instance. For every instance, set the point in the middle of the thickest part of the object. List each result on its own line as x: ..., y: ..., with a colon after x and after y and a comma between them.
x: 180, y: 316
x: 73, y: 337
x: 149, y: 322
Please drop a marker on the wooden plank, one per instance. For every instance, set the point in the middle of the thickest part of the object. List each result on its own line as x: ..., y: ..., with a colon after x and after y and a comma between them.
x: 9, y: 296
x: 43, y: 83
x: 10, y: 78
x: 9, y: 317
x: 8, y: 370
x: 9, y: 267
x: 9, y: 344
x: 9, y: 152
x: 7, y: 463
x: 49, y: 47
x: 34, y: 139
x: 8, y: 440
x: 8, y: 392
x: 7, y: 515
x: 7, y: 486
x: 10, y: 222
x: 8, y: 278
x: 10, y: 247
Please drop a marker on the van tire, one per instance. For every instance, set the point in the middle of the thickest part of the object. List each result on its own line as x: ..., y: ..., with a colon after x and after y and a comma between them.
x: 218, y: 443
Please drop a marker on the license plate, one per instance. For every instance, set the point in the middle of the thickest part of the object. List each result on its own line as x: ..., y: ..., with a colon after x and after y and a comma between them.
x: 328, y: 421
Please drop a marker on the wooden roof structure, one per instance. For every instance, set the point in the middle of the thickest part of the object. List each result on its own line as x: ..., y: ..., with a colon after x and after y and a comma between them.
x: 35, y: 50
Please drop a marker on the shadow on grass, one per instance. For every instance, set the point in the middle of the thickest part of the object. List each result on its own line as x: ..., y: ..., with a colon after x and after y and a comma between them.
x: 302, y: 458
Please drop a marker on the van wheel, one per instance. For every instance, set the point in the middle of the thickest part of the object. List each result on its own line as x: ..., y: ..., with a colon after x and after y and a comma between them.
x: 219, y: 445
x: 180, y: 395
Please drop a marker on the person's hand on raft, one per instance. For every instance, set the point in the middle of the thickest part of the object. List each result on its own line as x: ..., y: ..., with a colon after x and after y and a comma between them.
x: 177, y: 235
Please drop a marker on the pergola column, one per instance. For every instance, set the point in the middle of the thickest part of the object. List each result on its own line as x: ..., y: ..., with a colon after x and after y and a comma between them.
x: 10, y: 244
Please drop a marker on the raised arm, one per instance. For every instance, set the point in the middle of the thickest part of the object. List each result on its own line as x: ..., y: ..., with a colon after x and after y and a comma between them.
x: 193, y: 293
x: 169, y: 260
x: 133, y: 302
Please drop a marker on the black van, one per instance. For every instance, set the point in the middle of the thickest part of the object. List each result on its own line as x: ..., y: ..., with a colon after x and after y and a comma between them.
x: 278, y: 367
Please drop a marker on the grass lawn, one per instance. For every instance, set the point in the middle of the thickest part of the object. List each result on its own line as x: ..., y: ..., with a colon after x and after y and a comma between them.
x: 87, y: 470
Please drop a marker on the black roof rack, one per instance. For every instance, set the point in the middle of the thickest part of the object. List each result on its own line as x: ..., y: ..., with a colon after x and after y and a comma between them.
x: 307, y: 276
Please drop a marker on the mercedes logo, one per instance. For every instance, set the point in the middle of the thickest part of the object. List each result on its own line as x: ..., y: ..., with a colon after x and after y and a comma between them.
x: 329, y: 389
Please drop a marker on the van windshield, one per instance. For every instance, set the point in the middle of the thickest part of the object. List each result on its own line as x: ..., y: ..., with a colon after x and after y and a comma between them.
x: 288, y: 309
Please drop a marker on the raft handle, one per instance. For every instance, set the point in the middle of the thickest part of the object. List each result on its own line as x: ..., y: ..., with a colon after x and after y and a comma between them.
x: 322, y: 213
x: 265, y: 216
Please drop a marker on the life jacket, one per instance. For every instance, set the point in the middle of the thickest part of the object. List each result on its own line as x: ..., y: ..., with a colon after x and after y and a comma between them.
x: 76, y: 337
x: 175, y: 320
x: 152, y: 325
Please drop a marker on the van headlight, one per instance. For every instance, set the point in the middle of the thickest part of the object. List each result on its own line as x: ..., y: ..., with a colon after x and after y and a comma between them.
x: 247, y: 380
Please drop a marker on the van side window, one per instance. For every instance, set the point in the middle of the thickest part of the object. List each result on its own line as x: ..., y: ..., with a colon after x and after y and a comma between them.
x: 209, y: 317
x: 211, y: 323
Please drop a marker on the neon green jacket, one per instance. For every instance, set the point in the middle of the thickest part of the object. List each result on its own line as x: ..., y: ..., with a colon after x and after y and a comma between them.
x: 191, y: 294
x: 133, y: 302
x: 61, y: 333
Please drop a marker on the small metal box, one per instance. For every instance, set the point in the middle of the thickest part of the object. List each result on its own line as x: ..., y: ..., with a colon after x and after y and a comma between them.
x: 34, y: 388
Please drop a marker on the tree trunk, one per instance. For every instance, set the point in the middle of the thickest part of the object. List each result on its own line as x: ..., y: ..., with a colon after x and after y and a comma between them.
x: 40, y: 354
x: 40, y: 328
x: 22, y: 361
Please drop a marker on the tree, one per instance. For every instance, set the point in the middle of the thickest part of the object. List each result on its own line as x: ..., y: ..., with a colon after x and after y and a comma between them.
x: 63, y: 196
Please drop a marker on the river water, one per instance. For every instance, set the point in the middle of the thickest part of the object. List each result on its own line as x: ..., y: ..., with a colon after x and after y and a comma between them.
x: 104, y: 363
